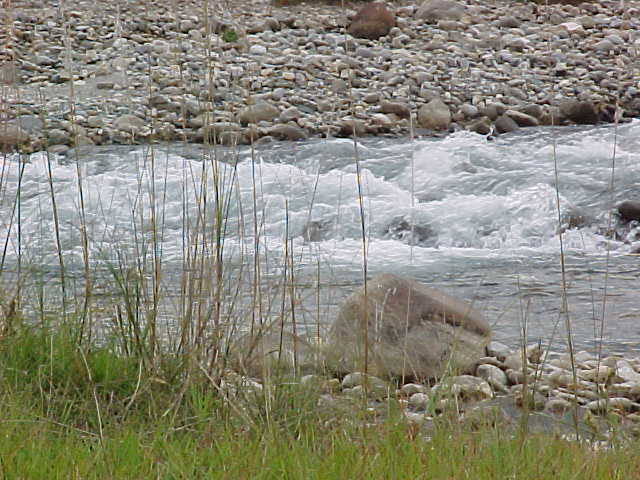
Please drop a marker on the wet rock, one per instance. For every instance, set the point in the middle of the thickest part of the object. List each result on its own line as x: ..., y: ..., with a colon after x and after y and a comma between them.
x: 434, y: 10
x: 372, y: 21
x: 287, y: 132
x: 505, y: 124
x: 435, y: 115
x: 582, y: 113
x: 400, y: 229
x: 397, y: 108
x: 493, y: 110
x: 629, y: 210
x: 412, y: 331
x: 522, y: 119
x: 482, y: 126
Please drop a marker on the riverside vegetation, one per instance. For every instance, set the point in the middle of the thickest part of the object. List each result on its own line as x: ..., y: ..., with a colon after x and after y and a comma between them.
x: 93, y: 387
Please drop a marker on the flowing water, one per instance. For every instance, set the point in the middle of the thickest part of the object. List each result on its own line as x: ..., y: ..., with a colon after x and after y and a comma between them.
x: 474, y: 216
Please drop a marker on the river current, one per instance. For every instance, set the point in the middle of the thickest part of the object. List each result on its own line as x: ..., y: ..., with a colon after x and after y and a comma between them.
x: 478, y: 217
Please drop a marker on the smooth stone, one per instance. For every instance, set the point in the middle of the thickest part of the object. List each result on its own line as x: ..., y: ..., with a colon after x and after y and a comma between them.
x: 435, y: 115
x: 494, y: 376
x: 261, y: 111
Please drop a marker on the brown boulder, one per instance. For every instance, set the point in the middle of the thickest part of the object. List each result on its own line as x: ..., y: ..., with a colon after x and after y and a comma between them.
x: 412, y: 331
x: 372, y: 21
x: 434, y: 115
x: 582, y: 113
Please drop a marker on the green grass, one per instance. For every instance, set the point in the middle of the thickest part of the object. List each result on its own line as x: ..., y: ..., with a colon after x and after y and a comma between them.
x: 67, y: 413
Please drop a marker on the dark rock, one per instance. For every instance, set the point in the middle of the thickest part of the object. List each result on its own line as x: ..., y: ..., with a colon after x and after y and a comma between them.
x: 493, y: 110
x: 411, y: 331
x: 482, y: 126
x: 505, y: 124
x: 629, y: 210
x: 400, y: 229
x: 582, y: 113
x: 522, y: 119
x: 372, y: 21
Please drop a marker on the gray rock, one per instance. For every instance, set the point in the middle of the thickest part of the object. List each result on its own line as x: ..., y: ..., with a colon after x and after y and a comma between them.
x: 434, y: 10
x: 534, y: 110
x: 498, y: 350
x: 494, y: 376
x: 419, y: 401
x: 412, y: 331
x: 493, y: 110
x: 469, y: 111
x: 411, y: 388
x: 522, y: 119
x: 128, y: 123
x: 402, y: 110
x: 57, y: 136
x: 482, y: 126
x: 465, y: 387
x: 257, y: 50
x: 505, y: 124
x: 358, y: 378
x: 259, y: 112
x: 435, y: 115
x: 509, y: 21
x: 291, y: 113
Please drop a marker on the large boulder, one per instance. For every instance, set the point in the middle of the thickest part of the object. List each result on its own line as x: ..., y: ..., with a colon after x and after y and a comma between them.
x: 434, y: 10
x: 434, y: 115
x: 413, y: 331
x: 372, y: 21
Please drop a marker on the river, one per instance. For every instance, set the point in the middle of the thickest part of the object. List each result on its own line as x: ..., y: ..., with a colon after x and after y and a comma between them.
x: 475, y: 216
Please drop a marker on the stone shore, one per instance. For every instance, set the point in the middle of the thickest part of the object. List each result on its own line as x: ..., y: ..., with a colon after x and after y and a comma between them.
x: 509, y: 388
x: 129, y: 72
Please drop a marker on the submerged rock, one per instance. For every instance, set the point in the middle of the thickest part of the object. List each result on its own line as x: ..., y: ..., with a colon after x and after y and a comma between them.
x: 400, y: 229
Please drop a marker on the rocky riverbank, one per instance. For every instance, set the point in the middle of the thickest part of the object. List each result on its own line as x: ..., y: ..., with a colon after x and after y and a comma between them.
x: 81, y: 73
x: 509, y: 389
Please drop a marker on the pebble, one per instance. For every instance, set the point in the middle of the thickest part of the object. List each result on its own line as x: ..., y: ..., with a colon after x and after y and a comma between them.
x: 509, y: 63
